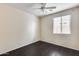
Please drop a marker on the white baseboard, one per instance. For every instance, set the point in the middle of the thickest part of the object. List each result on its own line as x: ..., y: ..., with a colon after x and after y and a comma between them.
x: 4, y: 52
x: 60, y: 45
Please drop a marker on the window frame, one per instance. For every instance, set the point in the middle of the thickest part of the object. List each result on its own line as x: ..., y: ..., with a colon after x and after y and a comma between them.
x: 61, y: 25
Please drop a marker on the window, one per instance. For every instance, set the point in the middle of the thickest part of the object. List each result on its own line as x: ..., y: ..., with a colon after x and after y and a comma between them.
x: 61, y: 25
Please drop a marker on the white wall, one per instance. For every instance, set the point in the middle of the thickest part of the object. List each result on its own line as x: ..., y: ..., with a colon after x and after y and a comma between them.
x: 70, y: 41
x: 17, y: 28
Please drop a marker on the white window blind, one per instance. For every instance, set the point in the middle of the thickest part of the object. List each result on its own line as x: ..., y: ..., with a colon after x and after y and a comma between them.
x: 61, y: 25
x: 57, y: 25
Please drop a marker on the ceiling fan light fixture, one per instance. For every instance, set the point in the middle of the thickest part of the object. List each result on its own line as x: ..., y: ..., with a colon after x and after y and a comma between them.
x: 45, y: 9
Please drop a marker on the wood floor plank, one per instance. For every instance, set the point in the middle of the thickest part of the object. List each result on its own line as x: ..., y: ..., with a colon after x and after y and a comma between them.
x: 41, y: 48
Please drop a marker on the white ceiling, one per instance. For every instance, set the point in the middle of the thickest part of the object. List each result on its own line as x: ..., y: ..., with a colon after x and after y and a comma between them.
x: 30, y: 7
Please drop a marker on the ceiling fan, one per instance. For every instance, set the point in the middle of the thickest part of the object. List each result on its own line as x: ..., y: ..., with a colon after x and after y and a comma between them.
x: 43, y: 7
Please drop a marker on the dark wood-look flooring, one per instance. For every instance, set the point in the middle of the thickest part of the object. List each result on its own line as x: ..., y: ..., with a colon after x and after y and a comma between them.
x: 42, y: 49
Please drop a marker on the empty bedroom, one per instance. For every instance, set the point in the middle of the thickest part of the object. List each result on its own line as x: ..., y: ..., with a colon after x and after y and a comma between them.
x: 39, y: 29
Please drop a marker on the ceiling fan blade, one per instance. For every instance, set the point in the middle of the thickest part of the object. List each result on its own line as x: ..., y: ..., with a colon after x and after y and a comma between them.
x: 47, y: 8
x: 50, y: 8
x: 36, y: 8
x: 42, y: 6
